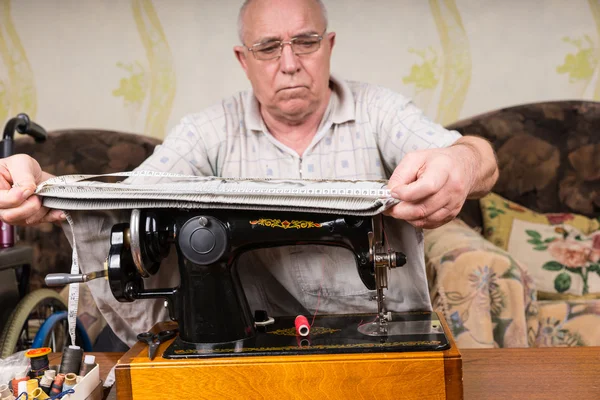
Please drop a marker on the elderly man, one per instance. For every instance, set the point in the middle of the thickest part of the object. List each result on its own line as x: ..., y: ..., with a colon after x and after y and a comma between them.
x: 298, y: 121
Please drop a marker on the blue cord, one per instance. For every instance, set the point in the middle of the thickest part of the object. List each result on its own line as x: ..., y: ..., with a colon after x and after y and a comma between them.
x: 21, y: 395
x: 61, y: 394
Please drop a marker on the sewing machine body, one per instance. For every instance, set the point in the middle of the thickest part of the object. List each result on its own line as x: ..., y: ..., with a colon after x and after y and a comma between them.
x: 224, y: 351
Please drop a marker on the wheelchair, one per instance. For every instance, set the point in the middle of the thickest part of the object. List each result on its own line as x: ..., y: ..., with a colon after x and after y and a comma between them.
x: 38, y: 318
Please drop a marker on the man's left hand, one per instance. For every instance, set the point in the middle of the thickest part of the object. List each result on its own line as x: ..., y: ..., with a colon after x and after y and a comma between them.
x: 433, y: 184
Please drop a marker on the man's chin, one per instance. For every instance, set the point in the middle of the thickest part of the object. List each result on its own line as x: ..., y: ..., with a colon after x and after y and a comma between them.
x: 295, y: 107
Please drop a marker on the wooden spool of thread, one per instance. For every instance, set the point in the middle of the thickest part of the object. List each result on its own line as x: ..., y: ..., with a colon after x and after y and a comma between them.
x: 70, y: 381
x: 38, y: 359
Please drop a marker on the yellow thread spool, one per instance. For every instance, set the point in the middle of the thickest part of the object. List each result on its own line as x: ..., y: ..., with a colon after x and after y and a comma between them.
x: 39, y: 394
x: 32, y: 384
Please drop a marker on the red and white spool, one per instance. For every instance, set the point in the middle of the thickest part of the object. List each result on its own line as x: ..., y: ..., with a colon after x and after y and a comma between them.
x: 302, y: 326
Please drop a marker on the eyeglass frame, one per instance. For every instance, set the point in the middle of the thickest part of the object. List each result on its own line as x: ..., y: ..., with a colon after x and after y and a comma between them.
x: 283, y: 43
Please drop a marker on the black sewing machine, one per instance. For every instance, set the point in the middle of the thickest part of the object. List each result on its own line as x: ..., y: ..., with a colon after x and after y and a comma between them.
x: 210, y: 307
x: 221, y: 348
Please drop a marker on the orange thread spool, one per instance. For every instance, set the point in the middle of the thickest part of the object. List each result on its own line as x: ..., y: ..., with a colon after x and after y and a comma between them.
x: 19, y: 377
x: 302, y: 326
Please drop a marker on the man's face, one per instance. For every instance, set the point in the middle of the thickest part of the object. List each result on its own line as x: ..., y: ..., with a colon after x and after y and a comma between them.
x: 291, y: 86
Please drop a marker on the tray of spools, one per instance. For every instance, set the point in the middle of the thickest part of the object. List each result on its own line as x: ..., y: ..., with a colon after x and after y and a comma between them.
x: 76, y: 378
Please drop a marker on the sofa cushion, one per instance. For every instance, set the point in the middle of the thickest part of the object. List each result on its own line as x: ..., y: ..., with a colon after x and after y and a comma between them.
x: 486, y: 296
x: 547, y: 154
x: 562, y: 251
x: 568, y: 323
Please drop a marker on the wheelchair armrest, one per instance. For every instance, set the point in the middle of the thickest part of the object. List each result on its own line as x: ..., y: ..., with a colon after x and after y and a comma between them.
x: 15, y: 256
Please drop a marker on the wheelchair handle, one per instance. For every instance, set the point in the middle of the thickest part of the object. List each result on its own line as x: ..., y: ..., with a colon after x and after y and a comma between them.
x: 22, y: 124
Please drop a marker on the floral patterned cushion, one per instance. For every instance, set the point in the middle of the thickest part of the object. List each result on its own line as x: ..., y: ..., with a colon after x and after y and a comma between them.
x: 562, y: 251
x: 486, y: 296
x: 567, y: 323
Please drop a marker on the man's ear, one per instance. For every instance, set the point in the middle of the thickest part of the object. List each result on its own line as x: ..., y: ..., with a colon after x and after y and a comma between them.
x: 240, y: 54
x: 331, y: 38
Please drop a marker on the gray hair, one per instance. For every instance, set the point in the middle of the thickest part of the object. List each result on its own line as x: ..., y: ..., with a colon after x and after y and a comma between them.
x: 244, y: 6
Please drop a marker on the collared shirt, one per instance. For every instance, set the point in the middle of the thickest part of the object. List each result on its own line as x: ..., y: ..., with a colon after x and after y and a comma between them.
x: 365, y: 132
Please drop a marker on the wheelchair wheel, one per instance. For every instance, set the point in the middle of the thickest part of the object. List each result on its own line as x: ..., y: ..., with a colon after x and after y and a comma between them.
x: 26, y: 319
x: 54, y: 333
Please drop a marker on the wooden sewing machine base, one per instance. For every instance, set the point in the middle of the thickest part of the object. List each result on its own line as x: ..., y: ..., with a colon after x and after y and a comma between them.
x: 430, y: 374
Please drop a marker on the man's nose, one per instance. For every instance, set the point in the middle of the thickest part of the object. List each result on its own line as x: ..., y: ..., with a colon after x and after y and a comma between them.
x: 289, y: 61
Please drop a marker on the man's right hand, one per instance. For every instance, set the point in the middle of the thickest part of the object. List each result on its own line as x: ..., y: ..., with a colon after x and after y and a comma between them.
x: 19, y: 176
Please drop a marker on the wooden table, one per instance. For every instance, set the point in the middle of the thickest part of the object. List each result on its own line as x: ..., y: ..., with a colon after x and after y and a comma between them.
x: 542, y: 373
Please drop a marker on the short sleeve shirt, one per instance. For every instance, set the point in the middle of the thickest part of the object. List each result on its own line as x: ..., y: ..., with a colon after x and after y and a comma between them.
x: 365, y: 132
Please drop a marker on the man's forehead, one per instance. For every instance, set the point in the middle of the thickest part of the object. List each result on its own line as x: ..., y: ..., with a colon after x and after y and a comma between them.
x: 280, y: 19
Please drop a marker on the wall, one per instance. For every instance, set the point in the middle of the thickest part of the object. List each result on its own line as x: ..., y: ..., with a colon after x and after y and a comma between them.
x: 140, y: 65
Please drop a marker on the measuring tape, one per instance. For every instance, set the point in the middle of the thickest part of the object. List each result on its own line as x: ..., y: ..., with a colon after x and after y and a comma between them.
x: 81, y: 192
x: 73, y: 303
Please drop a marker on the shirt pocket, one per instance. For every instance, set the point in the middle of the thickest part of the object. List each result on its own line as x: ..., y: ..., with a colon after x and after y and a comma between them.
x: 330, y: 270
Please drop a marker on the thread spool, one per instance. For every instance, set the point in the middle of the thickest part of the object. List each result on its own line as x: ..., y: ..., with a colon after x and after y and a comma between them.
x: 22, y: 388
x: 4, y: 391
x: 9, y: 397
x: 71, y: 360
x: 32, y: 384
x: 89, y: 362
x: 39, y: 394
x: 70, y: 381
x: 47, y: 379
x: 302, y: 326
x: 57, y: 385
x: 20, y: 376
x: 38, y: 360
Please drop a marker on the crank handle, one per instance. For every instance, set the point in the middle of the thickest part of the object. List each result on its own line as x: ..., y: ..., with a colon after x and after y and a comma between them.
x: 65, y: 279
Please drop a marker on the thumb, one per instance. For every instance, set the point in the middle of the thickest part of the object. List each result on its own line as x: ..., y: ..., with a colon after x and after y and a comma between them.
x: 405, y: 173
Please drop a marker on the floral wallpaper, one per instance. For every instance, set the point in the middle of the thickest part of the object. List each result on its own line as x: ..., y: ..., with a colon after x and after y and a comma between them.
x: 150, y: 62
x: 17, y: 85
x: 156, y: 82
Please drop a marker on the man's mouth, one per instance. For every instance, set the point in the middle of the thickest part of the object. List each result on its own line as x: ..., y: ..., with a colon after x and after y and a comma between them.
x: 292, y: 87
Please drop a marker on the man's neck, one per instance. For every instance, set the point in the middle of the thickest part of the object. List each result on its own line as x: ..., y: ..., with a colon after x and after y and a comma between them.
x: 297, y: 134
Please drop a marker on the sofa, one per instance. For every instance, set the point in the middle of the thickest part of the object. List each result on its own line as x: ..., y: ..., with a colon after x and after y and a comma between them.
x: 487, y: 292
x: 521, y: 266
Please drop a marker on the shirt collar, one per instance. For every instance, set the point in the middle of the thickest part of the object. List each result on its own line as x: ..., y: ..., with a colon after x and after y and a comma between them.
x: 343, y: 112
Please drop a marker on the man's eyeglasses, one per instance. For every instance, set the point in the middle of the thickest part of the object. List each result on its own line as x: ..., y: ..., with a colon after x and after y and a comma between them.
x: 272, y: 49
